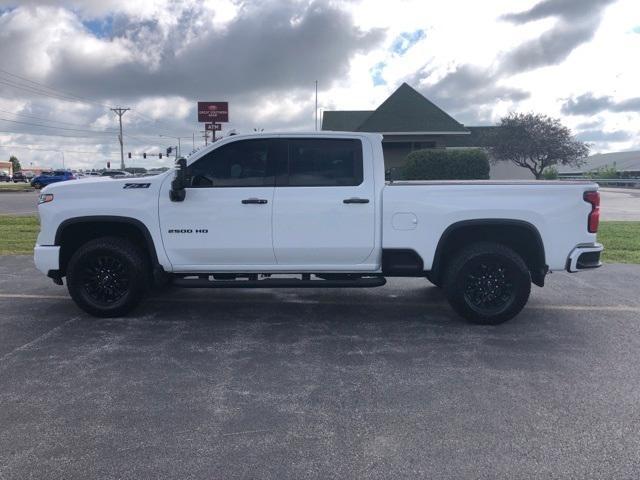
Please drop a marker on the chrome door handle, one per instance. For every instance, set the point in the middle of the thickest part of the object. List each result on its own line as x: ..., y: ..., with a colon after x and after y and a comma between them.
x: 258, y: 201
x: 355, y: 200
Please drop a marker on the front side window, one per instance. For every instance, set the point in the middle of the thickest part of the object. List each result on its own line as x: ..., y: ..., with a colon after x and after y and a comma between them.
x: 243, y: 163
x: 324, y: 162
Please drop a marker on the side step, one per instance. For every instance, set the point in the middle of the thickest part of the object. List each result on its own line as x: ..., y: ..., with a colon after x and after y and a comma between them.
x: 364, y: 282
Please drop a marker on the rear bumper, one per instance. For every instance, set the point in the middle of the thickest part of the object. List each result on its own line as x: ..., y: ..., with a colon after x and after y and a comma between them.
x: 46, y: 258
x: 584, y: 257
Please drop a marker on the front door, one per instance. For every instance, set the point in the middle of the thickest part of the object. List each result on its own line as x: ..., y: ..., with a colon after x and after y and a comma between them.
x: 324, y: 205
x: 225, y: 219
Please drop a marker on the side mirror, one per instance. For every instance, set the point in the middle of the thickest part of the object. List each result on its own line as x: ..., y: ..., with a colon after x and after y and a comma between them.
x: 179, y: 182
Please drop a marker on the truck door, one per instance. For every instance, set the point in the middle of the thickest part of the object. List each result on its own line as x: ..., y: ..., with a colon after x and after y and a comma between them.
x: 225, y: 218
x: 324, y: 212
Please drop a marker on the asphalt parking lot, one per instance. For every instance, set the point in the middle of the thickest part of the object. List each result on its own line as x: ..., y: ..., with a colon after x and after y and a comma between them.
x: 273, y: 384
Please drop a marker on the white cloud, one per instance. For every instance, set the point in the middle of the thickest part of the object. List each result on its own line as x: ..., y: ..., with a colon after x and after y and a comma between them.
x: 160, y: 56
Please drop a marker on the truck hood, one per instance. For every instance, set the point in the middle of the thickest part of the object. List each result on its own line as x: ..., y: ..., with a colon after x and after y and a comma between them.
x: 101, y: 184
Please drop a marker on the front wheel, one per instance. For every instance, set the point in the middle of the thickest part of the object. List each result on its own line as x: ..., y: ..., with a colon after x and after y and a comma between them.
x: 106, y: 277
x: 37, y: 185
x: 487, y: 283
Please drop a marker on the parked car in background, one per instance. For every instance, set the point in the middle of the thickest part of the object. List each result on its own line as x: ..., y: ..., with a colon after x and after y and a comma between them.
x: 47, y: 178
x: 4, y: 177
x: 19, y: 177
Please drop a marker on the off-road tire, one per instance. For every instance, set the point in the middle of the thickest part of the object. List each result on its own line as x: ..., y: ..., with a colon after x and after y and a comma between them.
x: 487, y: 283
x: 103, y: 266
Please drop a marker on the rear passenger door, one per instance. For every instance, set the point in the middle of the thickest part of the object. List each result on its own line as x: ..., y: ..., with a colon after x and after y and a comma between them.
x: 324, y: 211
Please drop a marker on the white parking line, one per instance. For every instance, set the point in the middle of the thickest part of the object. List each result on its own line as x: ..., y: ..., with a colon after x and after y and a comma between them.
x: 579, y: 308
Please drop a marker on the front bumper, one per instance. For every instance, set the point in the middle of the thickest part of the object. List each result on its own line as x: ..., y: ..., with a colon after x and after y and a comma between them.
x: 47, y: 258
x: 584, y: 257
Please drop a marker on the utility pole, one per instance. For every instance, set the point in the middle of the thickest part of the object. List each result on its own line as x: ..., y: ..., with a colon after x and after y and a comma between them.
x: 120, y: 111
x: 205, y: 136
x: 316, y: 111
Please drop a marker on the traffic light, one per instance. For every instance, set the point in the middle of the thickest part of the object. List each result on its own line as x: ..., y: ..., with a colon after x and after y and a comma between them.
x: 108, y: 165
x: 144, y: 155
x: 129, y: 154
x: 169, y: 150
x: 160, y: 155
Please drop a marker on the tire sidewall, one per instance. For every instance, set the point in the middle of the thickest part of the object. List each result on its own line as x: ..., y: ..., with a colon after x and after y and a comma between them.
x: 518, y: 274
x: 124, y: 252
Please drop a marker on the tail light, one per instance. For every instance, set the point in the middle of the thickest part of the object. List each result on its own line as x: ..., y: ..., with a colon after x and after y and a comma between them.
x: 594, y: 216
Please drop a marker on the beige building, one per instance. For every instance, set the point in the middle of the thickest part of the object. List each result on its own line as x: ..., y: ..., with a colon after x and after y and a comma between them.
x: 408, y: 121
x: 6, y: 167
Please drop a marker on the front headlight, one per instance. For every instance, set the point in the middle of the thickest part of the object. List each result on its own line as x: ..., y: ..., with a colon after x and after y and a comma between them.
x: 45, y: 198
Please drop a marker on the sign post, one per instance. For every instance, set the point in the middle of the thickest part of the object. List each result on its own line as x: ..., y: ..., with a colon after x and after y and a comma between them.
x: 211, y: 114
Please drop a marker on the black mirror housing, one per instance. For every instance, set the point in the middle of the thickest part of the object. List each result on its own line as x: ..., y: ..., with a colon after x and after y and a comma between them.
x: 179, y: 182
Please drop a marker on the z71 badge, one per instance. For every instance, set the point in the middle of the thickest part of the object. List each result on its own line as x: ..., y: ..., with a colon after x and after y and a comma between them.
x: 136, y: 185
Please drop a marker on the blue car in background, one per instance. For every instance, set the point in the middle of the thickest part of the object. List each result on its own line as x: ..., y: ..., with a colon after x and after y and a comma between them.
x: 45, y: 178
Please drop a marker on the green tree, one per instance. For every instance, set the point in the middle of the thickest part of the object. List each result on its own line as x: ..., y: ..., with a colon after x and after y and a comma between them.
x: 535, y: 142
x: 16, y: 163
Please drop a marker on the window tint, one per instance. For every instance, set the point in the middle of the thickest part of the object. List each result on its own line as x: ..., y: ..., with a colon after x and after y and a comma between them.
x: 242, y: 163
x: 325, y: 162
x: 59, y: 173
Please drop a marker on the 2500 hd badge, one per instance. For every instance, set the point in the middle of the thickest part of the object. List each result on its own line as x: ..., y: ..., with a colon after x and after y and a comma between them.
x: 188, y: 230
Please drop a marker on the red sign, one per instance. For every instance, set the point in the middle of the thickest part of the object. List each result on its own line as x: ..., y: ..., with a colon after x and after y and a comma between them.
x: 213, y: 111
x: 213, y: 127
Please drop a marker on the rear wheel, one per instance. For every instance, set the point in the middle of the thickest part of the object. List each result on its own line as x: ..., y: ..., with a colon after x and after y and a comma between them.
x: 106, y: 277
x: 487, y: 283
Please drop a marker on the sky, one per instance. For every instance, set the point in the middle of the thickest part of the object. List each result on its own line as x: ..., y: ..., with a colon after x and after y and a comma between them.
x: 64, y: 64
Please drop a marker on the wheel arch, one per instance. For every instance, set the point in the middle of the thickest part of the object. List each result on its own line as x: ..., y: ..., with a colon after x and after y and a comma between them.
x: 74, y: 232
x: 520, y: 235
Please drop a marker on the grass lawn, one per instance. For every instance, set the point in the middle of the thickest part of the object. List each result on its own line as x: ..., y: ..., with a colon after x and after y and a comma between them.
x: 17, y: 234
x: 4, y: 186
x: 621, y: 239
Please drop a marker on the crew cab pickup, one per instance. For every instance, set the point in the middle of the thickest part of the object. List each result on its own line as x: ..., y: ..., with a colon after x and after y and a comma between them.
x: 311, y: 210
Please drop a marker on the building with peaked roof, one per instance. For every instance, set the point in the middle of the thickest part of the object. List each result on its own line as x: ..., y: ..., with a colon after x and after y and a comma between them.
x: 409, y: 121
x: 626, y: 163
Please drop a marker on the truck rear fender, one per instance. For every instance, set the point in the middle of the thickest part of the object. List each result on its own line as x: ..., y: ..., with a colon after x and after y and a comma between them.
x: 523, y: 237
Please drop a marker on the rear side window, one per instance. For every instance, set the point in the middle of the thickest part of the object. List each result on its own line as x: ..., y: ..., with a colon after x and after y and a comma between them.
x: 321, y: 162
x: 59, y: 173
x: 244, y: 163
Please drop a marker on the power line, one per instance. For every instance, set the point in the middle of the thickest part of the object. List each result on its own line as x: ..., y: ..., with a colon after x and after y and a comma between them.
x: 99, y: 132
x: 54, y: 90
x: 47, y: 91
x: 29, y: 115
x: 21, y: 147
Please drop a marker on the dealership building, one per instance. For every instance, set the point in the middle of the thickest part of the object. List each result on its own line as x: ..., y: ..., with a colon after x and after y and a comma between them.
x: 409, y: 121
x: 6, y: 167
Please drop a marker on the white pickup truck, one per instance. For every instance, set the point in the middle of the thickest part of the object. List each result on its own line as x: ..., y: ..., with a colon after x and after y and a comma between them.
x: 311, y: 210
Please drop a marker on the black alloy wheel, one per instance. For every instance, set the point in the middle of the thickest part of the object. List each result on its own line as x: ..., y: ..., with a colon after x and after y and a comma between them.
x: 107, y: 276
x: 487, y: 283
x: 106, y: 279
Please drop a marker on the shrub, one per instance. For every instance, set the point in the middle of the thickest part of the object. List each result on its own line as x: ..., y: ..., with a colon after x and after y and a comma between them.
x: 605, y: 172
x: 550, y: 173
x: 467, y: 164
